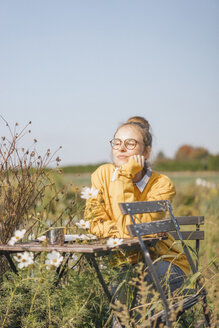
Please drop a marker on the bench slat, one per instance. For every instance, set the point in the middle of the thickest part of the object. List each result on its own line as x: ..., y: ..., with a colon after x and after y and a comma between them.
x: 189, y: 220
x: 151, y: 227
x: 143, y: 207
x: 189, y: 235
x: 164, y: 226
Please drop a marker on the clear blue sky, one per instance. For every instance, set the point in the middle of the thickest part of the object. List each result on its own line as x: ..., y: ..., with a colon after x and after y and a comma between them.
x: 77, y: 69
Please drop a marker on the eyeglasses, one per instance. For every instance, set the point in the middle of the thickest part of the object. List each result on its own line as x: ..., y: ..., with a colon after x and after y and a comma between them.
x: 129, y: 143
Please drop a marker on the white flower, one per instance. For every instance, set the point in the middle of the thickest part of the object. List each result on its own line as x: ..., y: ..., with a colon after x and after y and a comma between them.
x: 24, y: 259
x: 41, y: 238
x: 87, y: 193
x: 72, y: 261
x: 198, y: 182
x: 84, y: 237
x: 92, y: 237
x: 83, y: 224
x: 19, y: 234
x: 54, y: 259
x: 18, y: 257
x: 12, y: 241
x: 103, y: 267
x: 31, y: 237
x: 74, y: 257
x: 204, y: 183
x: 113, y: 242
x: 72, y: 237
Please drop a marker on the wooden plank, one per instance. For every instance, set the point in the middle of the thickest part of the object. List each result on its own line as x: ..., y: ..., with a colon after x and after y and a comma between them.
x: 74, y: 248
x: 189, y: 235
x: 143, y: 207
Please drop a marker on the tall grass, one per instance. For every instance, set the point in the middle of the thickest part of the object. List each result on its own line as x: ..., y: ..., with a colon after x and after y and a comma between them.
x: 33, y: 197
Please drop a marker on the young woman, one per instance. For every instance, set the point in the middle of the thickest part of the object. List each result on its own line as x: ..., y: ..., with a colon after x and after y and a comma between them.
x: 129, y: 179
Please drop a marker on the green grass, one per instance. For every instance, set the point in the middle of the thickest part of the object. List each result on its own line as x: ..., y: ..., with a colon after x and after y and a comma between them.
x: 79, y: 301
x: 180, y: 179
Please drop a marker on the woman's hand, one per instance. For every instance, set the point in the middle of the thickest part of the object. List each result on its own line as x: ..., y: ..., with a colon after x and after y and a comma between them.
x: 162, y: 234
x: 140, y: 160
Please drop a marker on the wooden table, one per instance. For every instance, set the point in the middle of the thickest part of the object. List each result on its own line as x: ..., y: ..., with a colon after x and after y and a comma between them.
x: 90, y: 251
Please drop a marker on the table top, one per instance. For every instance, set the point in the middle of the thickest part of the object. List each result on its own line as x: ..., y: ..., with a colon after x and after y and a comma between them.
x: 35, y: 246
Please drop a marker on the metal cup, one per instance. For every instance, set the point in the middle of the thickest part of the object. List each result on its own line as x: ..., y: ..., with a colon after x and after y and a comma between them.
x: 56, y: 236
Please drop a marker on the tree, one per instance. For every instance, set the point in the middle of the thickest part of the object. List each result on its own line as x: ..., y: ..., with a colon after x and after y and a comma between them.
x: 184, y: 153
x: 160, y: 156
x: 188, y: 152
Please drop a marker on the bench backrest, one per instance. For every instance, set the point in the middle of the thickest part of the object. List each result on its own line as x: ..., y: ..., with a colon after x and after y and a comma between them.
x: 166, y: 225
x: 170, y: 225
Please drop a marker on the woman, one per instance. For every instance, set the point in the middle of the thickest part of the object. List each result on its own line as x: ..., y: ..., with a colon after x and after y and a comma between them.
x: 130, y: 179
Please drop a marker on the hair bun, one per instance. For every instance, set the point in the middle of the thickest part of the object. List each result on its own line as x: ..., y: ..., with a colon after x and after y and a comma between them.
x: 139, y: 119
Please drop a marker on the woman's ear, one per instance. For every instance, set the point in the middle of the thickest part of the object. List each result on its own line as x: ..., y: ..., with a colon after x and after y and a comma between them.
x: 147, y: 152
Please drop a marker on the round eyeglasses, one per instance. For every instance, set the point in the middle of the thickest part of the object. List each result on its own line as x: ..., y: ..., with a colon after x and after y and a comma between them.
x: 129, y: 143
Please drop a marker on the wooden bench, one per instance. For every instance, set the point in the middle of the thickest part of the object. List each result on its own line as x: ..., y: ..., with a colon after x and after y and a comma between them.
x: 170, y: 225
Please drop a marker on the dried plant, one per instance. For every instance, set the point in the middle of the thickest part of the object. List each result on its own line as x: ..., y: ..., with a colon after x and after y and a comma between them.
x: 24, y: 178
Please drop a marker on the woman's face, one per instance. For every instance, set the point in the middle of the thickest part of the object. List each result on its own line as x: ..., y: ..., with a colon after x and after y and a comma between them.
x: 122, y: 154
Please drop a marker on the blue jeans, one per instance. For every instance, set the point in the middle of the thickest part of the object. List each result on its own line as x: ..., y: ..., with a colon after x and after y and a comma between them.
x: 170, y: 276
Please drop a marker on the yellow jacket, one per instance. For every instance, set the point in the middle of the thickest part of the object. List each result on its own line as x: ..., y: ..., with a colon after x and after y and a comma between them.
x: 105, y: 216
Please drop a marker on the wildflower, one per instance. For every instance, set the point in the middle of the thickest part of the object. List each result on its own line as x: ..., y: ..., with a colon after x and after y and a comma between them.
x: 24, y: 259
x: 198, y: 182
x: 74, y: 257
x: 72, y: 237
x: 87, y: 193
x: 113, y: 242
x: 31, y: 237
x: 72, y: 261
x: 103, y: 267
x: 12, y: 241
x: 204, y: 183
x: 41, y: 238
x: 92, y: 237
x: 83, y: 224
x: 19, y: 234
x: 54, y: 259
x: 18, y: 257
x: 84, y: 237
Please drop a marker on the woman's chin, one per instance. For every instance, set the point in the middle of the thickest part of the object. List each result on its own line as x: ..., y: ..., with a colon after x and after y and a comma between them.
x: 119, y: 162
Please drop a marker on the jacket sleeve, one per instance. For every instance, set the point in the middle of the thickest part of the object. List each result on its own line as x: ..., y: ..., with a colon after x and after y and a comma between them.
x: 160, y: 188
x: 106, y: 219
x: 103, y: 223
x: 96, y: 209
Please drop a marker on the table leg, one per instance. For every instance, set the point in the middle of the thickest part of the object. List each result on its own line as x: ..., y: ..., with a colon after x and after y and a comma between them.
x: 10, y: 261
x: 91, y: 259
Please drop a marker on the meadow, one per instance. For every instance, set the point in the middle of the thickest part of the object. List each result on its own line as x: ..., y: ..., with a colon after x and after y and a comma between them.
x: 34, y: 198
x: 30, y: 299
